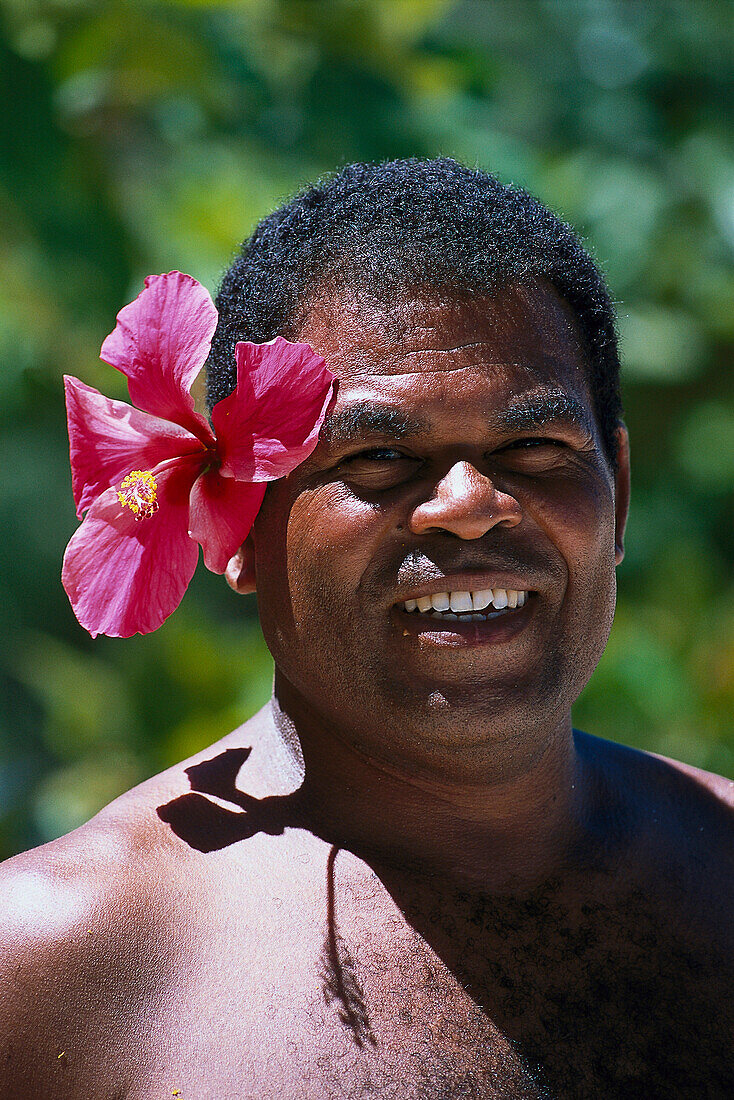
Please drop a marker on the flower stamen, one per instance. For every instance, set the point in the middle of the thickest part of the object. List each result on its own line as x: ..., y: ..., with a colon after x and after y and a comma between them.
x: 138, y: 493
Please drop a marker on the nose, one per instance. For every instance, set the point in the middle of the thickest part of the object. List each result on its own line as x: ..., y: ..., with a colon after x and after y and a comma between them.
x: 467, y: 504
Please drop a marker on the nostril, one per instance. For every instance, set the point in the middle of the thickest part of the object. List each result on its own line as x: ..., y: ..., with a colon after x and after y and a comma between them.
x: 467, y: 504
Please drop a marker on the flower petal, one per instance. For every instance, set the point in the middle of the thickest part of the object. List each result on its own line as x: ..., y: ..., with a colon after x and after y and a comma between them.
x: 271, y: 422
x: 108, y: 439
x: 161, y: 342
x: 124, y: 576
x: 222, y: 513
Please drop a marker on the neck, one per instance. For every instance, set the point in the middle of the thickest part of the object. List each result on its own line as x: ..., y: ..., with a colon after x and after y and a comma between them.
x: 518, y: 826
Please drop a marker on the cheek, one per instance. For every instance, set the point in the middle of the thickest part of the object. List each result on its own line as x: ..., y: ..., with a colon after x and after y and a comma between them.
x: 579, y: 518
x: 315, y: 548
x: 585, y: 536
x: 315, y: 545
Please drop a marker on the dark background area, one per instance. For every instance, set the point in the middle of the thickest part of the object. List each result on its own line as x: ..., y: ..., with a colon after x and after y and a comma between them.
x: 138, y: 137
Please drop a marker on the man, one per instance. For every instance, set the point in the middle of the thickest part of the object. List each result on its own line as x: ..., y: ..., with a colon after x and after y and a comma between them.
x: 407, y: 877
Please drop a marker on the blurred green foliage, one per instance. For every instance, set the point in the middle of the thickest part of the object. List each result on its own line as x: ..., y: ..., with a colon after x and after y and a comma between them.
x: 141, y: 136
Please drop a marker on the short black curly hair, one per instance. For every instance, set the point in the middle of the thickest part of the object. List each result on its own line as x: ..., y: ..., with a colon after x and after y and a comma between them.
x: 412, y: 223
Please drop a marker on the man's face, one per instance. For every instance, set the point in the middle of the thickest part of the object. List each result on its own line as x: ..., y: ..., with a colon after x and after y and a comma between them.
x: 461, y: 455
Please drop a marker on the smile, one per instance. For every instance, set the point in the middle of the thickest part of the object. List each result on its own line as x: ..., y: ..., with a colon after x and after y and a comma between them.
x: 477, y: 606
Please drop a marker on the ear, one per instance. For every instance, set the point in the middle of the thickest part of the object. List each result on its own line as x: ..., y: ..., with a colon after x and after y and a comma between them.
x: 621, y: 490
x: 240, y: 571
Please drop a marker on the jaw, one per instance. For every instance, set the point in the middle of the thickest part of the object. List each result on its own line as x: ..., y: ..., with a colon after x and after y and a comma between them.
x: 455, y: 718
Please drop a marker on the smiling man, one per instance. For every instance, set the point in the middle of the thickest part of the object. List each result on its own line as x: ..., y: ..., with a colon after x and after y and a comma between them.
x: 407, y: 877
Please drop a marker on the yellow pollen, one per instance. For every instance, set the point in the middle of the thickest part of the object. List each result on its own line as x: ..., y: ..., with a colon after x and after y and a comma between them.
x: 138, y: 493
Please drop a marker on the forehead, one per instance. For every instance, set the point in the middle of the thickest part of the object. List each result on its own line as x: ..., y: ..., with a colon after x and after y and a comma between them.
x: 435, y: 345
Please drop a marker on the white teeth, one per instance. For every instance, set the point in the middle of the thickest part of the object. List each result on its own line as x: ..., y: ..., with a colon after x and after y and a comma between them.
x: 461, y: 601
x: 482, y: 599
x: 451, y: 605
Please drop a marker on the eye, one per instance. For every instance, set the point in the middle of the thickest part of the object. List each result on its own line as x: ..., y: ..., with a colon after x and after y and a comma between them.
x: 377, y: 454
x: 533, y: 446
x: 533, y: 454
x: 378, y: 468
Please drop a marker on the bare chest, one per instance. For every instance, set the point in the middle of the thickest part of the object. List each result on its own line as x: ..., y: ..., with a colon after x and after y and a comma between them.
x: 362, y: 997
x: 332, y: 1021
x: 322, y: 989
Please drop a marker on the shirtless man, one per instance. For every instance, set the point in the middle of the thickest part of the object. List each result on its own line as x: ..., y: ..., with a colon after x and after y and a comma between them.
x: 407, y: 877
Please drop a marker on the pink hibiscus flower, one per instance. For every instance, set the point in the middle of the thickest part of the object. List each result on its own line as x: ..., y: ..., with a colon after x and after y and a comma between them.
x: 160, y: 482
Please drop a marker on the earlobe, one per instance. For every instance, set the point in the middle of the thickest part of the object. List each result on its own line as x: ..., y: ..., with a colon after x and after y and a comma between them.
x: 621, y: 490
x: 240, y: 571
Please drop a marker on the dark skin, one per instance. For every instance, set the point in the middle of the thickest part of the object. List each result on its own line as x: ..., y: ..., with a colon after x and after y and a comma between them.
x: 407, y: 877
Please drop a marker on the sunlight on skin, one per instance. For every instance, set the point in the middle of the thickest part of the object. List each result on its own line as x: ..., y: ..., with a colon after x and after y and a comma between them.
x: 57, y: 915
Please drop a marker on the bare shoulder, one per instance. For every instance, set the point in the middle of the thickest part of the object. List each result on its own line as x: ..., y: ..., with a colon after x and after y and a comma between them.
x: 60, y: 908
x: 679, y: 823
x: 664, y: 782
x: 94, y: 924
x: 127, y: 856
x: 719, y: 786
x: 77, y: 916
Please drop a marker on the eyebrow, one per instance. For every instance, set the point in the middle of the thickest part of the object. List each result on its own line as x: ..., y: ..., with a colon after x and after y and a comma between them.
x: 369, y: 419
x: 366, y: 419
x: 552, y: 406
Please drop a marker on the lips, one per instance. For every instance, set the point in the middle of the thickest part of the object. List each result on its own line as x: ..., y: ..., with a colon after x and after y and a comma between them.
x: 489, y: 627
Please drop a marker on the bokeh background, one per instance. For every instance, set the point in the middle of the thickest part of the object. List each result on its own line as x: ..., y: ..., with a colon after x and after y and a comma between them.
x: 137, y: 137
